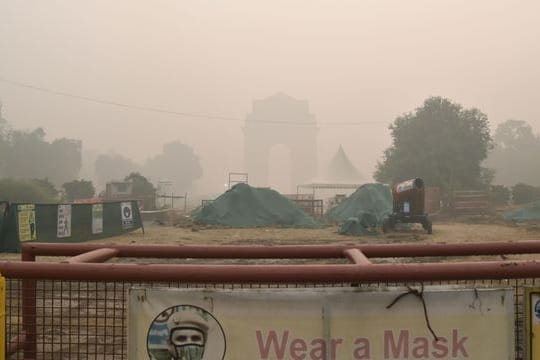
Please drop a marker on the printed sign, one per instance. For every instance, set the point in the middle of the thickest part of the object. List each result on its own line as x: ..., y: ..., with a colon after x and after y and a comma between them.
x: 97, y: 218
x: 127, y: 215
x: 63, y: 221
x: 203, y: 324
x: 26, y: 220
x: 532, y: 321
x: 406, y: 207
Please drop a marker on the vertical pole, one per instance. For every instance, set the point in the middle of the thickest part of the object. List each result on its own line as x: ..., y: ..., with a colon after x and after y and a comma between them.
x: 29, y: 313
x: 2, y: 317
x: 185, y: 204
x: 172, y: 200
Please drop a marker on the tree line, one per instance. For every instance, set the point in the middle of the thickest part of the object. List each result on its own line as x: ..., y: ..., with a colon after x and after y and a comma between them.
x: 33, y: 169
x: 451, y: 147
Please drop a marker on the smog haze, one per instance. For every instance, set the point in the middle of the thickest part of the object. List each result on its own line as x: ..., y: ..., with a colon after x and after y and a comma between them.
x: 358, y: 64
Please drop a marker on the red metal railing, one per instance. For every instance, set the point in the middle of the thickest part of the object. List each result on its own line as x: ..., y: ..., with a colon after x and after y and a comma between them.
x: 289, y: 251
x: 85, y: 265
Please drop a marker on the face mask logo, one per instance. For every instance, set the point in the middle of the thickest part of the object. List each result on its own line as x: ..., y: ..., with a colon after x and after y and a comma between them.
x: 185, y: 332
x: 188, y: 343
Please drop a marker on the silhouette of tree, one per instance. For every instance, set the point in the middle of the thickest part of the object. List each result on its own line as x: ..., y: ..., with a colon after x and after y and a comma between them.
x: 441, y: 142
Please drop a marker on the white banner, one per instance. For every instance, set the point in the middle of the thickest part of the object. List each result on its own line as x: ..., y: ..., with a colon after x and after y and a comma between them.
x: 97, y: 218
x: 63, y: 227
x: 320, y: 324
x: 127, y: 215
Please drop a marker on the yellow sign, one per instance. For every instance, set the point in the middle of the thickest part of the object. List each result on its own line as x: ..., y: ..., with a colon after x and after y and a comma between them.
x: 532, y: 320
x: 26, y: 219
x: 317, y: 324
x: 2, y: 316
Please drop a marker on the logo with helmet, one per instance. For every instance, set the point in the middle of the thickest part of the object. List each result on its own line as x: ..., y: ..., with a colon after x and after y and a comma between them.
x: 185, y: 332
x: 537, y: 309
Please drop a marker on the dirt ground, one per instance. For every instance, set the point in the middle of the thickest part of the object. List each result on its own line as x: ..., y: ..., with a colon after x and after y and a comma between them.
x: 443, y: 232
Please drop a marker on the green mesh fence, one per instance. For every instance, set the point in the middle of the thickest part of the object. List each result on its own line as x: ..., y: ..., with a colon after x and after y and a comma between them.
x: 65, y: 223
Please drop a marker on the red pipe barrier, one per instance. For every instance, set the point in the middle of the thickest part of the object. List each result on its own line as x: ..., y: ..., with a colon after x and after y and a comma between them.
x: 78, y: 267
x: 289, y: 251
x: 357, y: 257
x: 331, y: 273
x: 93, y: 256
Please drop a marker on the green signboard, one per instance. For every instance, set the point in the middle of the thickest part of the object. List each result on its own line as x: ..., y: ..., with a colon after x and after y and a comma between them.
x: 66, y: 222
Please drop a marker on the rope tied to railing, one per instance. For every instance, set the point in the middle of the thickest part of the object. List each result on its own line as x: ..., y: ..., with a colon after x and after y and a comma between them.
x: 420, y: 295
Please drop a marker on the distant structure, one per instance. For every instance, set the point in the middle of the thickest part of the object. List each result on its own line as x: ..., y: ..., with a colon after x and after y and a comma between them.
x: 263, y: 130
x: 339, y: 180
x: 341, y: 170
x: 123, y: 190
x: 237, y: 178
x: 118, y: 190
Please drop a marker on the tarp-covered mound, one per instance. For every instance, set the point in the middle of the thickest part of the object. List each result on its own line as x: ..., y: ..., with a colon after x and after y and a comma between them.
x: 246, y: 206
x: 528, y: 212
x: 373, y: 199
x: 364, y: 225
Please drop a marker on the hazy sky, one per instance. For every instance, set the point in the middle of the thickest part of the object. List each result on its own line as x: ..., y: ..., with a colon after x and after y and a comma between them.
x: 352, y: 60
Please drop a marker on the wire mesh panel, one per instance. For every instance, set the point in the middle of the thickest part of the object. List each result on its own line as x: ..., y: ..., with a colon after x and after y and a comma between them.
x: 14, y: 322
x: 88, y: 320
x: 74, y: 320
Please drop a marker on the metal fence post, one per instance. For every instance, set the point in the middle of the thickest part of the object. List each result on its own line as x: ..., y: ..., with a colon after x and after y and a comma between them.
x: 2, y: 317
x: 29, y: 313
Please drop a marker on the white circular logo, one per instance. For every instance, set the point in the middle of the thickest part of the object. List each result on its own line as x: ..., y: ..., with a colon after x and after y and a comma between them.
x: 185, y: 332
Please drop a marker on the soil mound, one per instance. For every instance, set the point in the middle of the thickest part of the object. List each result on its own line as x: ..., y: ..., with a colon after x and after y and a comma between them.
x: 364, y: 225
x: 369, y: 201
x: 246, y: 206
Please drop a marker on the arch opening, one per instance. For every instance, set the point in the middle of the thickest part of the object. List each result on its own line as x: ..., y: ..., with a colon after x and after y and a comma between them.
x: 280, y: 171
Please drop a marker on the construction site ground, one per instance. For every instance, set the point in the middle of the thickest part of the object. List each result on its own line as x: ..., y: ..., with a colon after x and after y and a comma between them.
x: 477, y: 229
x: 445, y: 231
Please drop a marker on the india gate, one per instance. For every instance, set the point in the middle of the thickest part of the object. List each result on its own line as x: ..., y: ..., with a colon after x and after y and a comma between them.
x: 263, y: 130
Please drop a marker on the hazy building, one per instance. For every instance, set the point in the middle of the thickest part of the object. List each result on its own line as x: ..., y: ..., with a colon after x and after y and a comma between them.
x: 280, y: 119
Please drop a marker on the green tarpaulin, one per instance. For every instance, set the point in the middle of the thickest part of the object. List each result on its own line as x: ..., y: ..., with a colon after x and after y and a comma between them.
x: 246, y: 206
x: 527, y: 212
x: 363, y: 225
x: 373, y: 199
